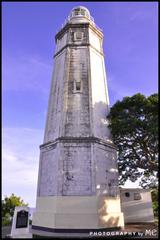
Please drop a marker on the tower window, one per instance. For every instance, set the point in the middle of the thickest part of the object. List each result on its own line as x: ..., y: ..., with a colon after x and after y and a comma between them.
x: 83, y: 12
x: 78, y: 86
x: 77, y: 11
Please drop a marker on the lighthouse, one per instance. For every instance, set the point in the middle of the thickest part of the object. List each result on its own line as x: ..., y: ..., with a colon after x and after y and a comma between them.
x: 78, y: 177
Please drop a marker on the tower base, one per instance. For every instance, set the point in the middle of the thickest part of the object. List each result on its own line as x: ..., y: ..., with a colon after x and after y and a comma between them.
x: 77, y: 212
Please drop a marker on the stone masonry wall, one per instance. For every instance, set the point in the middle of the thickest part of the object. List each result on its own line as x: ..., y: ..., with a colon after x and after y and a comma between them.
x: 48, y: 173
x: 76, y: 169
x: 55, y: 110
x: 106, y: 170
x: 77, y: 122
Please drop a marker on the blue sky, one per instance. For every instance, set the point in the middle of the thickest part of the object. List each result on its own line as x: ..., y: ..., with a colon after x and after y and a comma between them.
x: 28, y: 29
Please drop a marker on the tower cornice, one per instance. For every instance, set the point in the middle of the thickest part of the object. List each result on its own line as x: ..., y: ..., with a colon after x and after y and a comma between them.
x: 77, y: 45
x: 77, y: 25
x: 89, y: 139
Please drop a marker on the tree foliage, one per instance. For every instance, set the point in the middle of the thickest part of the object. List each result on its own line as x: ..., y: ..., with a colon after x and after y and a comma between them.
x: 8, y: 206
x: 154, y: 194
x: 134, y: 128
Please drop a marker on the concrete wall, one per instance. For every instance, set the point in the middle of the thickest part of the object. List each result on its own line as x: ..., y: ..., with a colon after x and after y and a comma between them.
x: 55, y: 106
x: 48, y: 172
x: 78, y: 168
x: 95, y: 41
x: 78, y: 212
x: 136, y: 210
x: 106, y: 170
x: 77, y: 119
x: 61, y: 43
x: 100, y: 104
x: 78, y: 113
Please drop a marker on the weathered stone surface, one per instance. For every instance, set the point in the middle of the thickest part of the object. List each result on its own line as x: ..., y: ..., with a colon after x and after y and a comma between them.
x: 77, y: 168
x: 48, y: 174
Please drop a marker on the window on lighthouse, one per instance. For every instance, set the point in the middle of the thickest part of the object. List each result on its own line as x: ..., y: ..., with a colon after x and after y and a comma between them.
x: 80, y: 12
x: 78, y: 86
x: 77, y: 11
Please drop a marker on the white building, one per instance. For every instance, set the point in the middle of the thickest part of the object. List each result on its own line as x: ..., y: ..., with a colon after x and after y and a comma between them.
x: 136, y: 205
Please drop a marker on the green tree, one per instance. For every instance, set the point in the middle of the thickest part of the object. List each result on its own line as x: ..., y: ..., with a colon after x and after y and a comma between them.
x: 134, y: 127
x: 154, y: 194
x: 8, y: 206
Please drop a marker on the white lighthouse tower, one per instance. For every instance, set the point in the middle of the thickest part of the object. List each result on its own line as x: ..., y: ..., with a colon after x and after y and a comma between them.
x: 78, y: 176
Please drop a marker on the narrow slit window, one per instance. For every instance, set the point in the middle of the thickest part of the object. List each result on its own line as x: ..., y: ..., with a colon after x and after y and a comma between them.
x: 78, y: 86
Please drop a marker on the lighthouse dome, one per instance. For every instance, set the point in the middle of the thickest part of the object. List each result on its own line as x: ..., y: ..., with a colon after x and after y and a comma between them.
x: 78, y: 13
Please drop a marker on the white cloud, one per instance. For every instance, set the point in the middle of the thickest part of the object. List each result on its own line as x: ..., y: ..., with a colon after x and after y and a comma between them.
x: 26, y: 73
x: 140, y: 15
x: 20, y: 155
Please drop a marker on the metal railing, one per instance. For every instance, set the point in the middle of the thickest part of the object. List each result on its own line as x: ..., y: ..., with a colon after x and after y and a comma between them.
x: 91, y: 19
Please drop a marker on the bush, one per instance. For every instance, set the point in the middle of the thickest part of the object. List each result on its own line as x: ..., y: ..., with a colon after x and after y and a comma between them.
x: 6, y: 221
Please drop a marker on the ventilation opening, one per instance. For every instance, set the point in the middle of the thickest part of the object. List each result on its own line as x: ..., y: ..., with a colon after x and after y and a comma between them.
x: 127, y: 194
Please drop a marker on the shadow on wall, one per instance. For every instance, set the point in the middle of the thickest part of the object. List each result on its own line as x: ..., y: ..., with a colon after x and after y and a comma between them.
x: 107, y: 217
